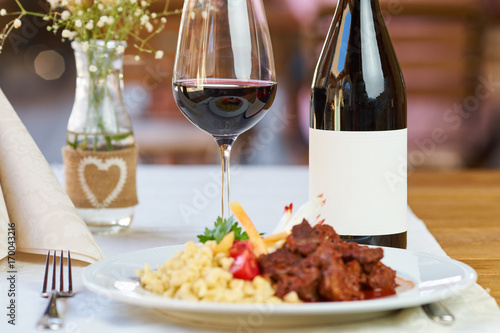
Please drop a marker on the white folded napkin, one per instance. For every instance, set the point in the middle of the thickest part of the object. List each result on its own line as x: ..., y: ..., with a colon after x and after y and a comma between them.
x: 4, y: 226
x: 33, y: 200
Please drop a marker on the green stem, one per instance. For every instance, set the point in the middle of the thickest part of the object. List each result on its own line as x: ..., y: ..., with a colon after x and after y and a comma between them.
x: 85, y: 141
x: 20, y: 5
x: 102, y: 59
x: 144, y: 42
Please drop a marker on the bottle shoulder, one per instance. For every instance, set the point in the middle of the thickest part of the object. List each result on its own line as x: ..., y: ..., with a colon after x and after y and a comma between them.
x: 358, y: 46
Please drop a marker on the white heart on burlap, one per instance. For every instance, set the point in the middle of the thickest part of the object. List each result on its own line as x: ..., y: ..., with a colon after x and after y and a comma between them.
x: 103, y: 165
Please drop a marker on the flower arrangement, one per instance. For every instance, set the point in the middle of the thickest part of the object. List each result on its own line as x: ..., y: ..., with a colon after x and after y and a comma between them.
x: 91, y: 20
x: 99, y: 31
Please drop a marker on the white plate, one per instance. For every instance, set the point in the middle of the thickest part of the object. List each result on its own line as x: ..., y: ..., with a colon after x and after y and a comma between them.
x: 434, y: 277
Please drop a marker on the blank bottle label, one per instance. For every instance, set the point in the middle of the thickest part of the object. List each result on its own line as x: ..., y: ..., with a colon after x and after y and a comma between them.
x: 363, y: 178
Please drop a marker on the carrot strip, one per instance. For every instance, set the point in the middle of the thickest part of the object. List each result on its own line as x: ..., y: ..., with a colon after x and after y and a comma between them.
x: 254, y: 236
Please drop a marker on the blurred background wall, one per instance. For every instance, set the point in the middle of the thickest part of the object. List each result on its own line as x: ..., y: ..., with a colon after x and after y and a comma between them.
x: 449, y: 51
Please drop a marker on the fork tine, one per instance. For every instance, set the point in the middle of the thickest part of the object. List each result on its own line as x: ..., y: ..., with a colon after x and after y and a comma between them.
x: 54, y: 272
x: 50, y: 318
x: 61, y: 274
x: 70, y: 281
x: 46, y: 274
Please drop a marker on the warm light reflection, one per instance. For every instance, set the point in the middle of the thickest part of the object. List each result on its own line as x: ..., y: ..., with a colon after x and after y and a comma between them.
x: 49, y: 65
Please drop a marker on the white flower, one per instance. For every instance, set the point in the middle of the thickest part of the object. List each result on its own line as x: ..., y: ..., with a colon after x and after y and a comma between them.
x: 89, y: 25
x: 72, y: 35
x: 105, y: 20
x: 163, y: 20
x: 144, y: 19
x: 85, y: 46
x: 137, y: 58
x: 53, y: 3
x: 100, y: 6
x: 66, y: 33
x: 153, y: 15
x: 120, y: 49
x: 46, y: 18
x: 17, y: 23
x: 144, y: 3
x: 64, y: 3
x: 138, y: 12
x: 65, y: 15
x: 133, y: 1
x: 159, y: 54
x: 204, y: 14
x: 80, y: 13
x: 119, y: 9
x: 78, y: 23
x: 3, y: 12
x: 149, y: 27
x: 92, y: 68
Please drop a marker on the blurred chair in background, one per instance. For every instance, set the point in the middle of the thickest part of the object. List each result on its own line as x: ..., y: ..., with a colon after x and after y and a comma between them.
x: 449, y: 51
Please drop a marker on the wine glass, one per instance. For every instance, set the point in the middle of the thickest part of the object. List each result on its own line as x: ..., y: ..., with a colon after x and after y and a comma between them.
x: 224, y: 79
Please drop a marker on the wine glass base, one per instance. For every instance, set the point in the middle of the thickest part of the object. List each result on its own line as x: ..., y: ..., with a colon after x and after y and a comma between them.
x: 108, y: 220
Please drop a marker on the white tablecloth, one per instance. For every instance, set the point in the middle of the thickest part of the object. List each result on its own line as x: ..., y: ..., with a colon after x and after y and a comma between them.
x: 176, y: 203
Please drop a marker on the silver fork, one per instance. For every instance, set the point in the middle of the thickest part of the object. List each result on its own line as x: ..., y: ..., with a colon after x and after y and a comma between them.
x: 50, y: 319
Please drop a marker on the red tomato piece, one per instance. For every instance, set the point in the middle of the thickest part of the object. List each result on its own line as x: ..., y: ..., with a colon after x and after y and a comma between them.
x: 239, y: 247
x: 245, y: 264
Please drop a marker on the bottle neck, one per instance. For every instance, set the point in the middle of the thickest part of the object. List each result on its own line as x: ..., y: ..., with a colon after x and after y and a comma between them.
x: 356, y: 3
x: 356, y: 7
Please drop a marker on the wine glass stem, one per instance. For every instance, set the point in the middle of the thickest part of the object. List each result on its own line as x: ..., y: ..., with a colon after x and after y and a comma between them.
x: 225, y: 145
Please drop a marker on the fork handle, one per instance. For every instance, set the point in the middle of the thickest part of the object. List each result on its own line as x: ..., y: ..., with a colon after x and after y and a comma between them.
x: 438, y: 312
x: 50, y: 318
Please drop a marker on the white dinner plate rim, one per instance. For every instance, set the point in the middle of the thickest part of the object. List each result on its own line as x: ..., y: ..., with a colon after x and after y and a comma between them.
x: 469, y: 276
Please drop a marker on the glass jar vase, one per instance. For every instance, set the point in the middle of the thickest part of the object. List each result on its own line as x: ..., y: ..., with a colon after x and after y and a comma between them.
x: 100, y: 156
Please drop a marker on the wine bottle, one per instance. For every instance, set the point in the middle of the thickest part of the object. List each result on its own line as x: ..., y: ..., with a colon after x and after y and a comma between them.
x: 358, y: 134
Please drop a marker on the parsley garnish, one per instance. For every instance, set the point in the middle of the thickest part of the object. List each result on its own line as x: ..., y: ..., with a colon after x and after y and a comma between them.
x: 221, y: 228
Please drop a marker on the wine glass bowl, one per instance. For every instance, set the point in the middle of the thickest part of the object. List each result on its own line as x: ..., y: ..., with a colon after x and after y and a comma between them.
x: 224, y: 107
x: 224, y: 39
x: 224, y: 78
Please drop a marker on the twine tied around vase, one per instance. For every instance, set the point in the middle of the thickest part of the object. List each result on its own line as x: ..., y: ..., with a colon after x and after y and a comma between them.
x: 102, y: 179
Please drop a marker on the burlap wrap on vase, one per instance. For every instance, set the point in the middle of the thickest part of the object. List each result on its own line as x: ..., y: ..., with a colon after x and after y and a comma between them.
x: 101, y: 179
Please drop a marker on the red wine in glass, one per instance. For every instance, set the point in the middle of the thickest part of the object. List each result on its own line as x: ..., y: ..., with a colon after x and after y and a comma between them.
x: 224, y: 78
x: 224, y: 107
